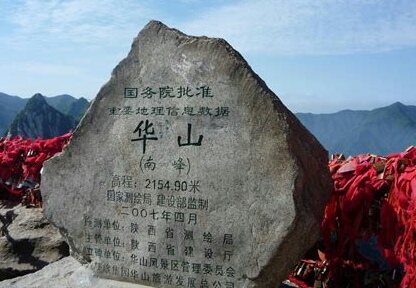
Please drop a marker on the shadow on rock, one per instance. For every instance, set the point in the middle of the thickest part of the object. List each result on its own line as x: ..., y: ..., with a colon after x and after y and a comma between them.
x: 28, y: 241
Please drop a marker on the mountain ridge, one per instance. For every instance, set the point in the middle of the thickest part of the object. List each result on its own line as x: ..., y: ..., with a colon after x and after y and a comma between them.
x: 10, y: 106
x: 354, y: 132
x: 39, y: 119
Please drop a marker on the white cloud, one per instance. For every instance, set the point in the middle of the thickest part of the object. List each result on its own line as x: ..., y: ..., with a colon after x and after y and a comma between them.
x: 311, y: 27
x: 40, y: 68
x: 90, y: 22
x: 262, y: 26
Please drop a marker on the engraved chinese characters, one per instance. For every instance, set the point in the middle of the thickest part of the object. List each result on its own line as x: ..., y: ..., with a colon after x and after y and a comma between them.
x: 188, y: 172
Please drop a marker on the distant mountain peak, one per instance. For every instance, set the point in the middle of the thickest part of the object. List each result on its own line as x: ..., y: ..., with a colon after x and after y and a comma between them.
x: 37, y: 103
x: 39, y: 119
x: 380, y: 131
x: 397, y: 104
x: 39, y: 107
x: 38, y: 97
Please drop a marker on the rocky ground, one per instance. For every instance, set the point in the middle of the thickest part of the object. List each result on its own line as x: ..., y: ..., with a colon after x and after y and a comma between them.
x: 28, y: 241
x: 65, y: 273
x: 34, y: 254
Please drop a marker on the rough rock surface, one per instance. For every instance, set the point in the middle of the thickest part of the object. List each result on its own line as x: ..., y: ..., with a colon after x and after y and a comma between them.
x: 28, y: 241
x: 188, y: 170
x: 65, y: 273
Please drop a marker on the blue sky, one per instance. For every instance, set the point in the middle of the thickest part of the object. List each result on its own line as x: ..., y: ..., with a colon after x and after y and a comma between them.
x: 318, y: 56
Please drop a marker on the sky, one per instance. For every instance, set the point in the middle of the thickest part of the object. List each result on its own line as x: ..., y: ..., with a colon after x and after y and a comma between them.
x: 318, y: 56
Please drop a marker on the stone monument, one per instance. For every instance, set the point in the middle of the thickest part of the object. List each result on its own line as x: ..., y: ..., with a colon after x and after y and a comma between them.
x: 188, y: 171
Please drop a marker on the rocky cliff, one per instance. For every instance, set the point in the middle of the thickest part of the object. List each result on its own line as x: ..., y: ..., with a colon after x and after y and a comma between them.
x: 39, y: 119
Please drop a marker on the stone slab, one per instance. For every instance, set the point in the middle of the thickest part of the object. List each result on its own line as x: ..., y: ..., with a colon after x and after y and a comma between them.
x: 188, y: 171
x: 65, y: 273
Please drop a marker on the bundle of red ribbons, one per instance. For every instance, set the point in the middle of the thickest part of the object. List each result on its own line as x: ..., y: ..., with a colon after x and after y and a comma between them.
x: 369, y: 225
x: 21, y: 161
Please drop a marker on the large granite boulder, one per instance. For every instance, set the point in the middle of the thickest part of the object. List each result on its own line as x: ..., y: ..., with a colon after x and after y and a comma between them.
x: 187, y: 170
